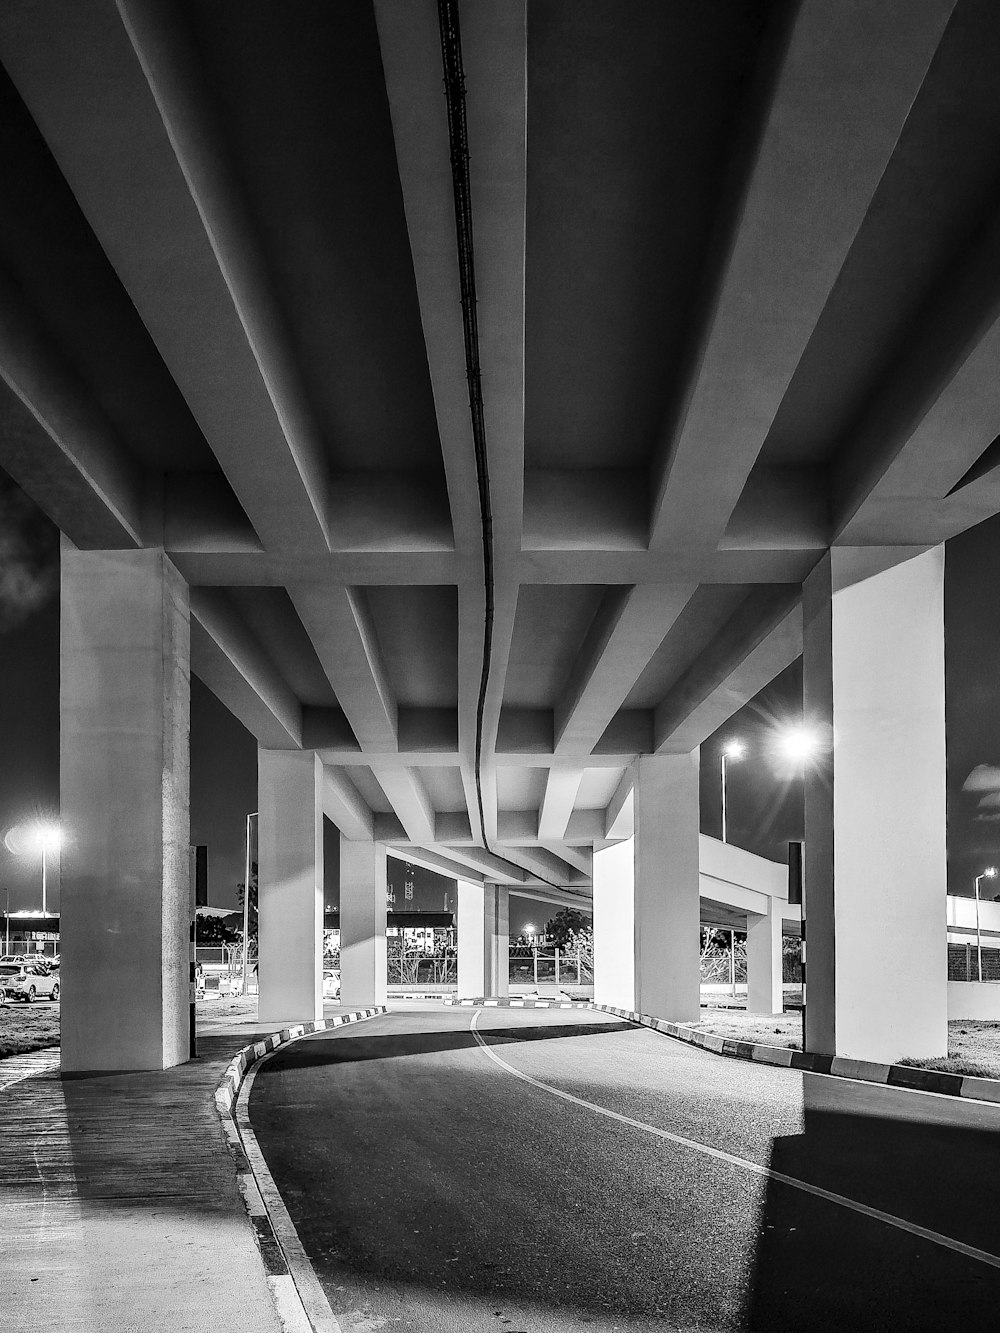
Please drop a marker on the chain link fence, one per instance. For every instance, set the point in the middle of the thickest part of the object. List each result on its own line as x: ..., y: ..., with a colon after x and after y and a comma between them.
x: 963, y: 963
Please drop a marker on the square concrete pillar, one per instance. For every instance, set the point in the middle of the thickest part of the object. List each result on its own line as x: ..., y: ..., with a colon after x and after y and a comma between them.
x: 290, y: 887
x: 646, y: 898
x: 614, y: 925
x: 363, y: 965
x: 471, y: 939
x: 667, y: 885
x: 875, y: 853
x: 765, y: 994
x: 496, y: 940
x: 124, y: 779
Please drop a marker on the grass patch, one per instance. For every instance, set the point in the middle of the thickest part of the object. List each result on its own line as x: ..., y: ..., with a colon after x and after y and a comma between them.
x: 28, y: 1027
x: 973, y: 1044
x: 952, y: 1064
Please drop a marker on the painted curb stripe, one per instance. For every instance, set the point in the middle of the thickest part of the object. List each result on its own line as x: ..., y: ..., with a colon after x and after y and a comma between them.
x: 766, y: 1173
x: 482, y: 1002
x: 864, y: 1071
x: 280, y: 1280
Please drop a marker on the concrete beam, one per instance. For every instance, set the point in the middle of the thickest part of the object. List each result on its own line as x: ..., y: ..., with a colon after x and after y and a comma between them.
x: 345, y: 807
x: 56, y: 441
x: 432, y: 859
x: 227, y: 658
x: 561, y: 788
x: 847, y: 88
x: 286, y: 484
x: 339, y: 623
x: 619, y: 818
x: 629, y: 627
x: 760, y: 640
x: 409, y: 799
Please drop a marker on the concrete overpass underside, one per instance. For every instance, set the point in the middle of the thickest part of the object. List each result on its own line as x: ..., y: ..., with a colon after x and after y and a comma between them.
x: 485, y: 401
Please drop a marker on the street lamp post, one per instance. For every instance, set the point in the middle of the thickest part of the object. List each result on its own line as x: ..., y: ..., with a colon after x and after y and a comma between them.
x: 246, y: 905
x: 731, y: 750
x: 36, y: 837
x: 989, y: 873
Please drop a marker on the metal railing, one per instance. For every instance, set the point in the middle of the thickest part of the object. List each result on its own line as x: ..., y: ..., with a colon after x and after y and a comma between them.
x: 558, y: 967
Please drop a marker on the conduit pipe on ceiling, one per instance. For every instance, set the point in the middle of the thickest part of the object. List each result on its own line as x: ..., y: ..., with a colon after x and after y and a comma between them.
x: 458, y: 137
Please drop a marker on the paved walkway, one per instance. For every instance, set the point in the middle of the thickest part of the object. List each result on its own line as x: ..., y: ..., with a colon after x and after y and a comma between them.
x: 118, y: 1202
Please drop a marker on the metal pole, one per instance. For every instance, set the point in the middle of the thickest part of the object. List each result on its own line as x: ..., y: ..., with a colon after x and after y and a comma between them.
x: 44, y: 866
x: 534, y: 963
x: 724, y: 796
x: 979, y: 936
x: 7, y: 923
x: 732, y: 963
x: 246, y: 909
x: 557, y: 967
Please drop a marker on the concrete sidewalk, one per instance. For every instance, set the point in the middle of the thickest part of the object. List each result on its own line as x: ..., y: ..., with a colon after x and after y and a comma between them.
x: 118, y: 1201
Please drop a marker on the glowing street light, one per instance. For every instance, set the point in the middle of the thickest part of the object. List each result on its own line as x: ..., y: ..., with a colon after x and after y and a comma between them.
x: 989, y: 873
x: 34, y: 838
x: 732, y: 749
x: 798, y: 744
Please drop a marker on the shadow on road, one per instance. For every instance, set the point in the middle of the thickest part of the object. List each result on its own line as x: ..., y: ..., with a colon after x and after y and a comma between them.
x: 363, y: 1045
x: 822, y: 1266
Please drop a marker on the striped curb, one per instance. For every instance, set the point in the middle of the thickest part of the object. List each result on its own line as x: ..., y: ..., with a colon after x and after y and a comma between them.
x: 865, y: 1071
x: 520, y: 1004
x: 287, y: 1301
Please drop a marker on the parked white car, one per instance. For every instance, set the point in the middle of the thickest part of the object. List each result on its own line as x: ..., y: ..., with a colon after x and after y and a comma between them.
x: 28, y: 982
x: 331, y: 984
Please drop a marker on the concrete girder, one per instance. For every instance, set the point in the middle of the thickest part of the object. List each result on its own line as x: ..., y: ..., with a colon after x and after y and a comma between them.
x: 227, y: 658
x: 408, y: 798
x: 561, y: 788
x: 629, y: 627
x: 805, y: 195
x: 431, y: 858
x: 197, y: 284
x: 933, y: 420
x: 60, y: 446
x: 293, y: 513
x: 619, y: 818
x: 339, y: 623
x: 550, y: 868
x: 345, y: 807
x: 684, y: 722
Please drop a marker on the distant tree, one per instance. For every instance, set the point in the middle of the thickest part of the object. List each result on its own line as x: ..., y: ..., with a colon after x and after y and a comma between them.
x: 567, y: 921
x: 252, y: 911
x: 216, y: 930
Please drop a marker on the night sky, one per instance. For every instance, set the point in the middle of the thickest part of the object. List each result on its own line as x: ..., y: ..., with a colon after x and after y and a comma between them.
x: 765, y: 808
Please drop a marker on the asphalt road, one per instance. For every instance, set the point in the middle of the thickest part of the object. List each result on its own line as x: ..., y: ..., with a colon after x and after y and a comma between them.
x: 436, y: 1191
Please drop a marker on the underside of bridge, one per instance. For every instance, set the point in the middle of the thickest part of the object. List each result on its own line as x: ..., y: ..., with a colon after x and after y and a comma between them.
x: 491, y: 377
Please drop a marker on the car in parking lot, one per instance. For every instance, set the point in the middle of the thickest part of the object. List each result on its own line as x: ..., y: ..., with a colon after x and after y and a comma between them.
x: 331, y: 984
x: 28, y: 982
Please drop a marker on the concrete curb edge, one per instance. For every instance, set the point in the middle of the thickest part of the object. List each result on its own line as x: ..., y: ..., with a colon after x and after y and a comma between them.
x: 288, y: 1303
x: 897, y: 1076
x: 483, y: 1003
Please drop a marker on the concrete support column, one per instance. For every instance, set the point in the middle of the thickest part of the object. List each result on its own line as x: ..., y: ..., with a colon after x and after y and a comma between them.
x: 667, y: 900
x: 496, y: 940
x: 471, y: 939
x: 362, y: 924
x: 290, y: 893
x: 875, y: 872
x: 646, y: 898
x: 124, y: 768
x: 614, y: 925
x: 764, y: 989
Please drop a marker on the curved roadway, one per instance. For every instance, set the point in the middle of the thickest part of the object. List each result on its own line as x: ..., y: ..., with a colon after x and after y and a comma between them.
x: 436, y: 1190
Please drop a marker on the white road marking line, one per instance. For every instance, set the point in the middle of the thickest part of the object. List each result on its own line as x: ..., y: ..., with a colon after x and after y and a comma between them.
x: 889, y: 1219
